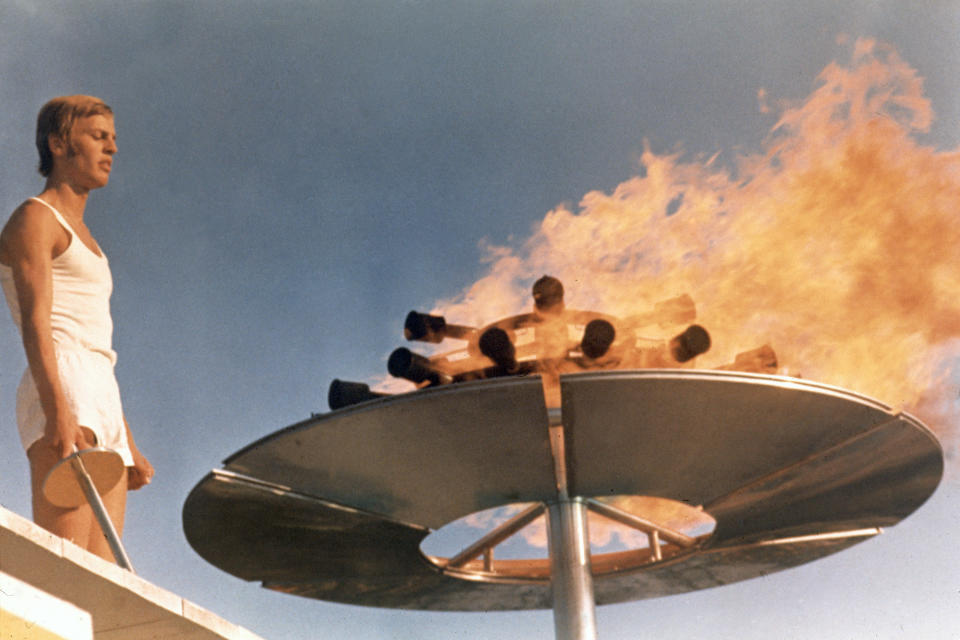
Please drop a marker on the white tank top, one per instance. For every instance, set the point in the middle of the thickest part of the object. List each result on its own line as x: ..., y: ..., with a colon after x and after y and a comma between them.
x: 82, y: 284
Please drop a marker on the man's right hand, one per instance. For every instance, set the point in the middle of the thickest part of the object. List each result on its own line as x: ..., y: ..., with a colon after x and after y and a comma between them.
x: 65, y: 437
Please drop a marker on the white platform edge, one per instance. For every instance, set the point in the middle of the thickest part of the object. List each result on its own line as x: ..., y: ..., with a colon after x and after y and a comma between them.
x: 24, y: 608
x: 121, y: 604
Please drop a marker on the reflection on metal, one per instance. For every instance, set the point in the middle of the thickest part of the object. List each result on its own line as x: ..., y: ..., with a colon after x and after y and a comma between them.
x: 558, y: 450
x: 571, y: 579
x: 336, y: 507
x: 836, y: 535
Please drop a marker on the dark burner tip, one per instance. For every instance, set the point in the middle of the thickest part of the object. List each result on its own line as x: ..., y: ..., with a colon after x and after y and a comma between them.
x: 343, y: 393
x: 691, y: 343
x: 399, y: 362
x: 597, y: 338
x: 495, y: 344
x: 547, y: 293
x: 425, y: 327
x: 404, y: 363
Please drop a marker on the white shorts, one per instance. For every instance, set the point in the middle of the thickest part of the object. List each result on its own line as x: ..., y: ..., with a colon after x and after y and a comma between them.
x: 91, y: 391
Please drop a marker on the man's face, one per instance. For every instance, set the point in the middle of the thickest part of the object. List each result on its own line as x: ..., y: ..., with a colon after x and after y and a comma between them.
x: 88, y: 151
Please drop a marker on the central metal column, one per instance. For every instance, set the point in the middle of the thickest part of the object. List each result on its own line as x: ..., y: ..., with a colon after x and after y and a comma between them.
x: 571, y: 580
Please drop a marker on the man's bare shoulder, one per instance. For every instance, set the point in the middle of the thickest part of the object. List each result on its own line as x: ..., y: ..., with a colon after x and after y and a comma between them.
x: 30, y: 225
x: 30, y: 213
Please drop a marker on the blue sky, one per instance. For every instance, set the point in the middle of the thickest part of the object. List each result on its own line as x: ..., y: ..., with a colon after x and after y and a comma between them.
x: 293, y: 177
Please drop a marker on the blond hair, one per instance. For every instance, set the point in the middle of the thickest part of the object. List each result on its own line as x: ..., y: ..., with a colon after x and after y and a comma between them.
x: 56, y: 118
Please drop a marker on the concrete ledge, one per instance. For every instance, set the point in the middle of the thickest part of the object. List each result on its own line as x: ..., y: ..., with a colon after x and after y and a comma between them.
x: 121, y: 604
x: 26, y: 613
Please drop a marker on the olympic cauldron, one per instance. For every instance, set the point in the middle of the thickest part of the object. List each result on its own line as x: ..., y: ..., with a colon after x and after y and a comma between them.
x: 727, y: 474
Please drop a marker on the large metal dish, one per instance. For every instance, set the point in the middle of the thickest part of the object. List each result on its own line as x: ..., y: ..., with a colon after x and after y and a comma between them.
x: 336, y: 507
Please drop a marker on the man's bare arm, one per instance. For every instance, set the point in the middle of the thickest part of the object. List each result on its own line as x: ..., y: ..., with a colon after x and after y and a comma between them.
x: 28, y: 245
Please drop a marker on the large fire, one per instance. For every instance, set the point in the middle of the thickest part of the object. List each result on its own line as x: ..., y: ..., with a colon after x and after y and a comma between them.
x: 830, y: 254
x: 836, y: 244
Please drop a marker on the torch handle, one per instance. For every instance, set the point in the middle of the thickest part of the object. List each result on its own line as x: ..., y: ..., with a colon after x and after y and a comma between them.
x: 100, y: 512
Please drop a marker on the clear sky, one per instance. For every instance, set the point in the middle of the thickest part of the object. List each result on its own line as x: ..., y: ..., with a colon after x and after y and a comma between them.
x: 293, y: 177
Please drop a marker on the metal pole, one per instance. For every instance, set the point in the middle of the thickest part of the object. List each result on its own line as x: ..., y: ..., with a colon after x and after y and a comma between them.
x: 571, y: 580
x: 106, y: 525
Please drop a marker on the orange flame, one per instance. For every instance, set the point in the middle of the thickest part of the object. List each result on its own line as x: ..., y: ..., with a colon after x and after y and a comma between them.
x: 837, y: 243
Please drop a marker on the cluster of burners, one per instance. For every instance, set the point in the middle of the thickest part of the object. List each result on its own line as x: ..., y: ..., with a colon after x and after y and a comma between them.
x: 550, y: 340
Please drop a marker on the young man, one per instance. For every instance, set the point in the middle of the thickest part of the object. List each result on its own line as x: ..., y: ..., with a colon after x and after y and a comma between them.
x: 57, y: 283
